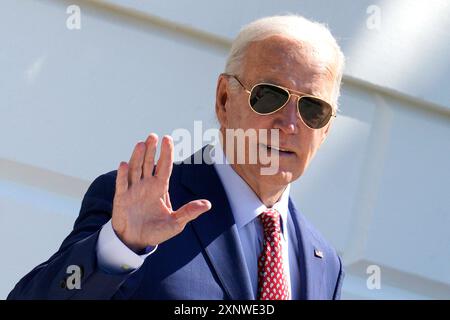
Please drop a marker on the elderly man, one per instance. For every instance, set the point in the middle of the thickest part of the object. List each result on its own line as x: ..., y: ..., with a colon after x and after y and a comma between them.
x: 221, y: 231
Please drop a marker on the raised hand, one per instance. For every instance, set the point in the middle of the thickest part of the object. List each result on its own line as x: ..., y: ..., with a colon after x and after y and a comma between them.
x: 142, y: 213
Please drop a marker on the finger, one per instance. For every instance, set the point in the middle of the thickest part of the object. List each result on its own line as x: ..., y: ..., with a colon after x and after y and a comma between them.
x: 122, y: 178
x: 149, y: 158
x: 165, y: 161
x: 191, y: 210
x: 136, y: 161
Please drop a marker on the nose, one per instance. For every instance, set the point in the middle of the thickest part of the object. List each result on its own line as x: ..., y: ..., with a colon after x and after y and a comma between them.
x: 287, y: 118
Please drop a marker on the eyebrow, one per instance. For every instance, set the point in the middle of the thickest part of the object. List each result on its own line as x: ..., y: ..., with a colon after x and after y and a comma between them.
x: 271, y: 81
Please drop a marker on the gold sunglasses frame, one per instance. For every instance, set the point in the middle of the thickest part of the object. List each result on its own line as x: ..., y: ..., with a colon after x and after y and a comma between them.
x: 295, y: 93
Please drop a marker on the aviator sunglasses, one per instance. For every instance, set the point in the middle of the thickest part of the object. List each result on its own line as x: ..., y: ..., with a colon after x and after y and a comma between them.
x: 267, y: 98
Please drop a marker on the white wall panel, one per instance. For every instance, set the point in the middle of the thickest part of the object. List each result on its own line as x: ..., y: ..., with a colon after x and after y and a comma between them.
x: 73, y: 103
x: 408, y: 53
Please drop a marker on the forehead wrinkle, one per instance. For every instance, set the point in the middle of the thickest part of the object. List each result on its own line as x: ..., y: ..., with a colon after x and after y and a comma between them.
x: 313, y: 66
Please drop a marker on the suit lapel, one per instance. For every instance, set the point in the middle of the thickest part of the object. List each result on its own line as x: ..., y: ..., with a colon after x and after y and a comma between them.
x: 311, y: 265
x: 217, y: 231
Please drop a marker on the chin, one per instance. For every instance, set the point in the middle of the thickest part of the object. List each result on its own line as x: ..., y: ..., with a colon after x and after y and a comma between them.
x: 282, y: 176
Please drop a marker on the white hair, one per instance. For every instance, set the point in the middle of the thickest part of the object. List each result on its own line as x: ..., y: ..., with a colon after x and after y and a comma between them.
x: 297, y: 28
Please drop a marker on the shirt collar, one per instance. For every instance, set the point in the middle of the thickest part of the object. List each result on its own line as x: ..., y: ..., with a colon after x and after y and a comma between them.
x: 245, y: 204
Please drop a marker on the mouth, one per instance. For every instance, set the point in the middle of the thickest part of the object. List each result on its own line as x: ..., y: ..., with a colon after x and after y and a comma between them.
x: 281, y: 151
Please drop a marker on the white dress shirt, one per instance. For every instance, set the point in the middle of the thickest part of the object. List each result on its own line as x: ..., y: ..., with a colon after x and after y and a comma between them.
x: 246, y: 207
x: 115, y: 257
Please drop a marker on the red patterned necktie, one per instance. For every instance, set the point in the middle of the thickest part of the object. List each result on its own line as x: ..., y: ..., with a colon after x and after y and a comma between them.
x: 272, y: 282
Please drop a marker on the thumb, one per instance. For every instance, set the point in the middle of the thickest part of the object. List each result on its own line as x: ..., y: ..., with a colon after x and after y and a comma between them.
x: 191, y: 210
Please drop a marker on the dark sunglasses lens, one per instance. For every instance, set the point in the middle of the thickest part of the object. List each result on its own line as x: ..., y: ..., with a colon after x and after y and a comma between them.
x: 266, y: 98
x: 315, y: 113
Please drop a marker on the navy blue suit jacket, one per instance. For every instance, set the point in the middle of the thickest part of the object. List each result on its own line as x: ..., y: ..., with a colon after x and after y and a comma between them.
x: 204, y: 261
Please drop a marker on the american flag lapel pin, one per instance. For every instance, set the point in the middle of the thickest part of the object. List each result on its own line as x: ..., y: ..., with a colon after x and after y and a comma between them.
x: 318, y: 253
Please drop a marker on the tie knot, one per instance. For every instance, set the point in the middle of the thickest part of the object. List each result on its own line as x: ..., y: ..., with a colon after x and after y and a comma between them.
x: 271, y: 221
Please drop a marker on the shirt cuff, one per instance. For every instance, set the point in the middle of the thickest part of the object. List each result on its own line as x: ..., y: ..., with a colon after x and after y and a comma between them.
x: 113, y: 256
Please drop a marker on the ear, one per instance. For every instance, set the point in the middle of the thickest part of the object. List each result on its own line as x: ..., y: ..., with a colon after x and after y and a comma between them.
x: 222, y: 96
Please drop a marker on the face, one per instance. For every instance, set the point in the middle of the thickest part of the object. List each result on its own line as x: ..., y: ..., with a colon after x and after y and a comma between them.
x: 285, y: 62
